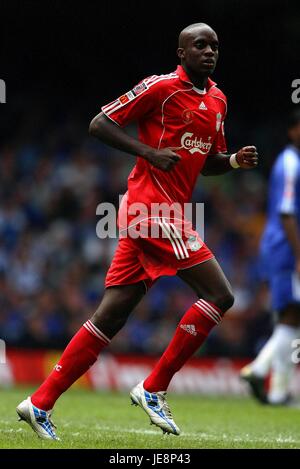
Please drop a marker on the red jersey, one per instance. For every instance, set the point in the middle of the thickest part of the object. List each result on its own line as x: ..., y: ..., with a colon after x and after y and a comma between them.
x: 171, y: 113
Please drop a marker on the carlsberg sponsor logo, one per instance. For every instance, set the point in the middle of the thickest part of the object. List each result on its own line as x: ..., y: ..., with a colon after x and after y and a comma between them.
x: 194, y: 144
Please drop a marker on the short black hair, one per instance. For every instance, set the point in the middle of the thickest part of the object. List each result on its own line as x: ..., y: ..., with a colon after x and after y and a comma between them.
x: 294, y: 117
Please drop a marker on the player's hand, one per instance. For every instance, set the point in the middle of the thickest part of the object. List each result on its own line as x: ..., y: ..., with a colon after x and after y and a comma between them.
x: 164, y: 159
x: 247, y: 157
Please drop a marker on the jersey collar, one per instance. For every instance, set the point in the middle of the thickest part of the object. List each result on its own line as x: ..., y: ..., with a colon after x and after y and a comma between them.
x: 185, y: 78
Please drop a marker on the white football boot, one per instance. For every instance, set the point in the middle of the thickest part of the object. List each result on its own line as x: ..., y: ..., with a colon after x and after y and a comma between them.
x: 156, y: 406
x: 39, y: 420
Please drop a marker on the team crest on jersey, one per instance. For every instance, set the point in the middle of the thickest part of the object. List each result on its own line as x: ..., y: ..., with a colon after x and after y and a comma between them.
x: 187, y: 116
x: 138, y: 89
x: 219, y: 121
x: 193, y: 243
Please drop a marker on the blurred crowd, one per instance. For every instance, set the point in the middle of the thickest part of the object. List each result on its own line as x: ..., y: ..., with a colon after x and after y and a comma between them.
x: 52, y: 265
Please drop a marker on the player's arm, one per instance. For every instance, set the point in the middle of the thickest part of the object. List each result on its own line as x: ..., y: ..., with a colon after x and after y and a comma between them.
x: 221, y: 163
x: 112, y: 134
x: 139, y: 103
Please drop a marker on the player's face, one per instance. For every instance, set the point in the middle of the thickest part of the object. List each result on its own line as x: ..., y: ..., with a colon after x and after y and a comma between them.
x: 294, y: 135
x: 200, y: 51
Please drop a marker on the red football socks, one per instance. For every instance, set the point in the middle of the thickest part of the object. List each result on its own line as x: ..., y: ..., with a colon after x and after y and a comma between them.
x: 80, y: 354
x: 190, y: 334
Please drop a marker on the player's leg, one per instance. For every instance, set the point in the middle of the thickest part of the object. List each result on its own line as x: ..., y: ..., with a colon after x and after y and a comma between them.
x: 276, y: 354
x: 84, y: 348
x: 256, y: 372
x: 80, y: 354
x: 215, y: 297
x: 282, y: 366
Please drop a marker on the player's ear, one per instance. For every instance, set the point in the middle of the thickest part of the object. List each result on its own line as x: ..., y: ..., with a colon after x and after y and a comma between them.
x: 180, y: 52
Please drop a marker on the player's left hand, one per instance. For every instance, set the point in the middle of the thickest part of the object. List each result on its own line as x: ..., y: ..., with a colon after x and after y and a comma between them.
x: 247, y: 157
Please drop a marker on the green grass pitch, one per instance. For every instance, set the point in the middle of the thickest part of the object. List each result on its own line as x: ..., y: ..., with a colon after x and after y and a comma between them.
x: 87, y: 419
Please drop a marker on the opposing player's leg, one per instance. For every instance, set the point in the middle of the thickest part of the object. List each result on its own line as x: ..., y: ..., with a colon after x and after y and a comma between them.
x: 276, y: 355
x: 80, y: 354
x: 215, y: 298
x: 256, y: 372
x: 282, y: 366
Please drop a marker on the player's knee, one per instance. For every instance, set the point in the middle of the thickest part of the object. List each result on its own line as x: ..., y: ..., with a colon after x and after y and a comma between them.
x: 115, y: 308
x: 109, y: 322
x: 225, y: 300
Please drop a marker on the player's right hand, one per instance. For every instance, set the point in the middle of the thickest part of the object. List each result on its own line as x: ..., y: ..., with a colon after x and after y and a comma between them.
x: 164, y: 159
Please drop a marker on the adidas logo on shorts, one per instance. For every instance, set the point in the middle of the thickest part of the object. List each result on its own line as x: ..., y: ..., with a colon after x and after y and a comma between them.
x: 190, y: 328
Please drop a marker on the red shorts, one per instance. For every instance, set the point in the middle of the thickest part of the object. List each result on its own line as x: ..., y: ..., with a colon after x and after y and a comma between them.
x: 148, y: 258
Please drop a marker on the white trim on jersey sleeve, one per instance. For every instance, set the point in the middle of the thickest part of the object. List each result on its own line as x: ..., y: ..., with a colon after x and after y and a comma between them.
x: 110, y: 118
x: 290, y: 174
x: 131, y: 96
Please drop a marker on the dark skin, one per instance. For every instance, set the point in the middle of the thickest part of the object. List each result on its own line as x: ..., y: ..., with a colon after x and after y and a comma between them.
x: 197, y: 46
x: 291, y: 314
x: 198, y: 52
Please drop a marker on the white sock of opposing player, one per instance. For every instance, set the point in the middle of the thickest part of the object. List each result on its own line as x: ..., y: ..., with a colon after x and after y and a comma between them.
x: 262, y: 363
x: 282, y: 365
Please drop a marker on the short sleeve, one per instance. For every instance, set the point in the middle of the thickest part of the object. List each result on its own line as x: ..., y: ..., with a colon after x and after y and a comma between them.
x: 139, y: 102
x: 286, y: 183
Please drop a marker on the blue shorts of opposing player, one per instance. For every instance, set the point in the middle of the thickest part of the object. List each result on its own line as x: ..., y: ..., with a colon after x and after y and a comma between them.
x: 285, y: 289
x: 278, y: 270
